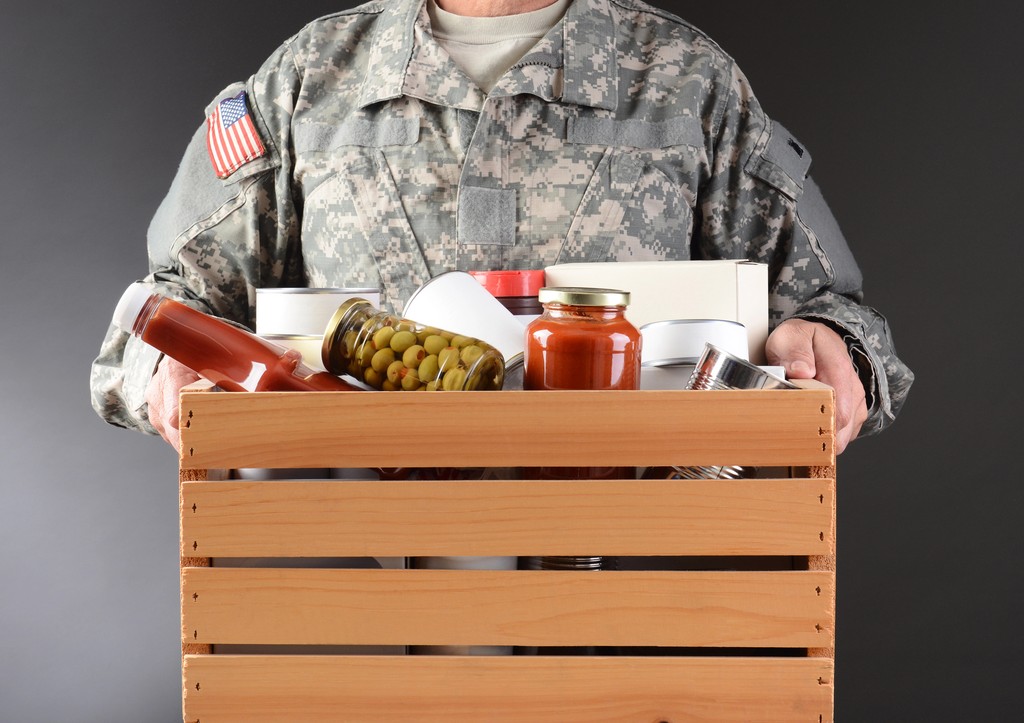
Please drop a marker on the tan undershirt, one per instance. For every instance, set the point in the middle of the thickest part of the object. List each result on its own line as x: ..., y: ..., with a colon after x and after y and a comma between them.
x: 486, y: 47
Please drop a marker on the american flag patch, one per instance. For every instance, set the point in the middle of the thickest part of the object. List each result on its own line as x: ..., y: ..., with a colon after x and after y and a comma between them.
x: 231, y: 136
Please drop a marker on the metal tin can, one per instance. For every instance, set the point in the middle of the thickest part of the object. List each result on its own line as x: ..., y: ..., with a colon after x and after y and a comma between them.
x: 718, y: 369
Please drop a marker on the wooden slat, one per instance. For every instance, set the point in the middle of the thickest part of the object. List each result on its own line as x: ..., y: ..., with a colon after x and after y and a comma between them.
x: 486, y: 607
x: 503, y: 429
x: 825, y: 562
x: 189, y: 559
x: 385, y: 519
x: 313, y: 689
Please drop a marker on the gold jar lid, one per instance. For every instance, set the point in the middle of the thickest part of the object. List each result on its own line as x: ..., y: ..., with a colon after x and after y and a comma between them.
x: 332, y: 352
x: 583, y: 296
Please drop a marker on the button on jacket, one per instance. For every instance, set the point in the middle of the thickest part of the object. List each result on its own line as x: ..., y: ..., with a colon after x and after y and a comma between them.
x: 625, y: 134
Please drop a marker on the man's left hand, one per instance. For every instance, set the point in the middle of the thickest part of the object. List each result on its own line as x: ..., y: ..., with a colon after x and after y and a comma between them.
x: 809, y: 350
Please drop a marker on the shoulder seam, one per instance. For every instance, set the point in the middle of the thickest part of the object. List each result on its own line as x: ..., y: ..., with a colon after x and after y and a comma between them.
x: 643, y: 7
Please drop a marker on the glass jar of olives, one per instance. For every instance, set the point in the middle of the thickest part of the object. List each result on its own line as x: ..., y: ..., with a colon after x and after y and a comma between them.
x: 387, y: 352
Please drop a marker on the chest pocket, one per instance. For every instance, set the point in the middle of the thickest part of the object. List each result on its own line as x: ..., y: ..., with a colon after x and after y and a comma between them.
x: 355, y: 231
x: 639, y: 203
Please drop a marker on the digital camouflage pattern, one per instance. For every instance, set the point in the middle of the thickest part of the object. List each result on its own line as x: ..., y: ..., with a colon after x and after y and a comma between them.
x: 625, y: 134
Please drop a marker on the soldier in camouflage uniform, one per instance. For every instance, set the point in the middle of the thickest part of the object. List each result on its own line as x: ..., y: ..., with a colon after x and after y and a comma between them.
x: 625, y: 134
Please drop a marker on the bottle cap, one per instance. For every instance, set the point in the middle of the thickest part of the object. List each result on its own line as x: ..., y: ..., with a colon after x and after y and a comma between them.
x: 131, y: 303
x: 510, y: 283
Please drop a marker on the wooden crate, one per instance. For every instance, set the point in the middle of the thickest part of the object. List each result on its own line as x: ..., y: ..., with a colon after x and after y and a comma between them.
x: 727, y: 641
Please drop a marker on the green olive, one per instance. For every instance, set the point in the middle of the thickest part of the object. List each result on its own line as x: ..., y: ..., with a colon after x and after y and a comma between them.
x: 349, y: 342
x: 410, y: 380
x: 460, y: 341
x: 454, y: 379
x: 382, y: 359
x: 373, y: 377
x: 434, y: 343
x: 382, y: 338
x: 448, y: 358
x: 402, y: 340
x: 429, y: 367
x: 413, y: 356
x: 405, y: 325
x: 364, y: 355
x: 389, y: 386
x: 426, y: 332
x: 470, y: 354
x: 394, y: 371
x: 433, y: 385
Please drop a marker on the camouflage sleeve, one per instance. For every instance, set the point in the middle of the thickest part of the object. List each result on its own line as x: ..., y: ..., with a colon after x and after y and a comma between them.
x: 762, y: 204
x: 213, y: 241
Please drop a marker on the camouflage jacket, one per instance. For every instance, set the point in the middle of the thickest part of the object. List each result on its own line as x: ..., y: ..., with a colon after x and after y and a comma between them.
x: 625, y: 134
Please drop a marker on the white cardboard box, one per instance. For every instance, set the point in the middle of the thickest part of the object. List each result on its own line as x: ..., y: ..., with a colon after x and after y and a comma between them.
x: 663, y: 290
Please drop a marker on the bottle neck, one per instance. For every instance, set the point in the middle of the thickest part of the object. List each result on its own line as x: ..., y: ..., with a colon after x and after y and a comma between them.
x: 145, y: 314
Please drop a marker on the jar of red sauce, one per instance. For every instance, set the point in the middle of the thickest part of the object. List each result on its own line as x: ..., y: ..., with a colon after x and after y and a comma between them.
x: 582, y: 341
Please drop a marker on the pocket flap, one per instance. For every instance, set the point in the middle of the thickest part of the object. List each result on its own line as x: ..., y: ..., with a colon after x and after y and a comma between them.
x: 784, y: 162
x: 681, y: 131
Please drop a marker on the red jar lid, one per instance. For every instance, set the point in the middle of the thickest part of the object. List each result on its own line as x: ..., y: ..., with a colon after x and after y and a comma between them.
x: 510, y: 283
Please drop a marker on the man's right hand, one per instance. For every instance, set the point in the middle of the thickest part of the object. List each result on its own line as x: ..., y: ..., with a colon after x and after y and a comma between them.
x: 162, y: 397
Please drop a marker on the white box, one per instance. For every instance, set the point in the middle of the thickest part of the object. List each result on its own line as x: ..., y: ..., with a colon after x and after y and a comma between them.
x: 663, y: 290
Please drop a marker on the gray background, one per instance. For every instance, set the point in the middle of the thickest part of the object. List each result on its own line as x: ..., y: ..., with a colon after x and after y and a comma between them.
x: 912, y: 121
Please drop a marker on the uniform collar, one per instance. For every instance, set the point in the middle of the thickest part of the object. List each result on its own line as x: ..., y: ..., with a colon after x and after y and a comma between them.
x: 404, y: 60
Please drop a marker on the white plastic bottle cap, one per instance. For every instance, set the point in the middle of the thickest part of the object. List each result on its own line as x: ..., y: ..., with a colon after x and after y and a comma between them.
x: 131, y: 303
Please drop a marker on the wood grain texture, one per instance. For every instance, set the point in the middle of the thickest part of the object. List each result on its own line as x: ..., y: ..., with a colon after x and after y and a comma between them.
x: 634, y: 517
x: 826, y: 562
x: 191, y: 647
x: 312, y: 689
x: 516, y: 428
x: 511, y: 607
x: 717, y: 610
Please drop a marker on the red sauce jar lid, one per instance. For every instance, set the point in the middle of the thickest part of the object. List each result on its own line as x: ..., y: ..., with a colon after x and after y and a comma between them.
x: 583, y: 296
x: 511, y: 283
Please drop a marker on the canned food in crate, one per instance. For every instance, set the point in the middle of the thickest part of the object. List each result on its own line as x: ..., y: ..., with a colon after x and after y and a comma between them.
x: 388, y: 352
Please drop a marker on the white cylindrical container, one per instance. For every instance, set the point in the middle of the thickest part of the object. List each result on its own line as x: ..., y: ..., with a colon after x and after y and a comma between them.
x: 671, y: 348
x: 455, y: 300
x: 308, y: 346
x: 302, y: 311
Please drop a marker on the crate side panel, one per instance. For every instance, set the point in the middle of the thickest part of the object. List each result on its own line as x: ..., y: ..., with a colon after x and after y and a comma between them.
x: 634, y: 517
x: 485, y: 607
x: 259, y: 689
x: 559, y: 428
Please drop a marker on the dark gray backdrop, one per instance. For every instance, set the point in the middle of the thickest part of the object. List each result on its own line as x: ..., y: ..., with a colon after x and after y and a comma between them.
x: 912, y: 120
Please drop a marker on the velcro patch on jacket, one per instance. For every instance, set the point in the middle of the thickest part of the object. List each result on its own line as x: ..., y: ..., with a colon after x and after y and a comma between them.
x: 784, y: 163
x: 231, y: 136
x: 680, y: 131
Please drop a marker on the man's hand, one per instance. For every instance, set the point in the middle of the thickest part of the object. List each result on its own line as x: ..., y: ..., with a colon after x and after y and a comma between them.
x: 809, y: 350
x: 162, y: 397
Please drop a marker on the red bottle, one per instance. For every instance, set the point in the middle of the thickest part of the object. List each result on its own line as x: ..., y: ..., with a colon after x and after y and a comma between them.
x: 234, y: 359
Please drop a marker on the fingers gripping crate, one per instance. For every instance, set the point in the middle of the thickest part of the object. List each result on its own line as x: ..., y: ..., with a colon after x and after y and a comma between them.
x: 710, y: 643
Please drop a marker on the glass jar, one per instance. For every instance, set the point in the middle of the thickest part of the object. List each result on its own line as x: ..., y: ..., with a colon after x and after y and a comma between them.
x: 582, y: 341
x: 387, y: 352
